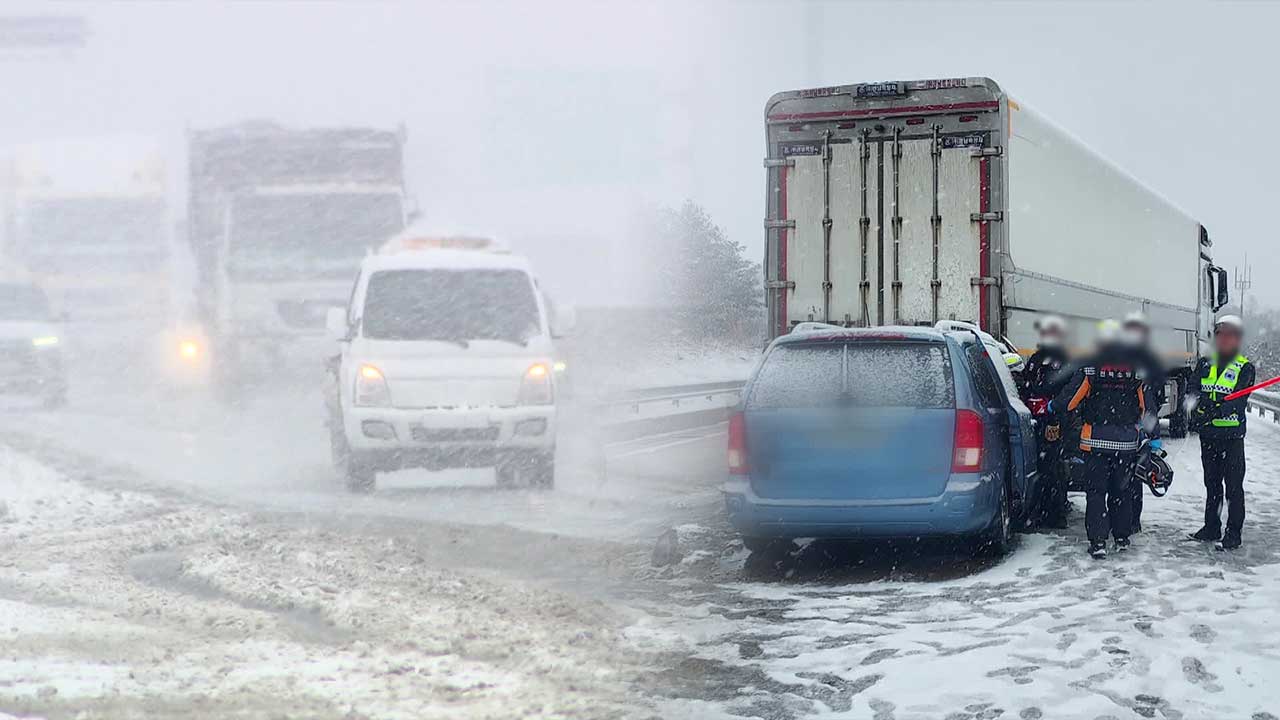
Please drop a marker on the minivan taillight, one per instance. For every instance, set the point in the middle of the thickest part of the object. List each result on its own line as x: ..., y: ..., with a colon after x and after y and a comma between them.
x: 967, y: 455
x: 737, y: 444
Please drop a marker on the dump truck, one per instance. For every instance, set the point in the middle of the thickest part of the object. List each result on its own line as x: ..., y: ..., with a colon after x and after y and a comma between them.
x: 912, y: 202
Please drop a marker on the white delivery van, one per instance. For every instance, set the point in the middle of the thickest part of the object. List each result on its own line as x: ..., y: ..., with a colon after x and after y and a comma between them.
x: 914, y: 202
x: 446, y: 360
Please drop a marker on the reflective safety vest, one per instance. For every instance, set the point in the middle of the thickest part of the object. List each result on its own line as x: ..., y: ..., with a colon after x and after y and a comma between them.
x: 1214, y: 385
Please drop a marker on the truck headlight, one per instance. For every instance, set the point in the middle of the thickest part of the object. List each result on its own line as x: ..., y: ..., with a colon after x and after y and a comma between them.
x: 536, y: 387
x: 371, y: 387
x: 45, y: 341
x: 189, y: 350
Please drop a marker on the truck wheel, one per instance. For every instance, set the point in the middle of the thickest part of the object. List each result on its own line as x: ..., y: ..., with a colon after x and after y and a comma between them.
x: 56, y: 399
x: 542, y: 470
x: 1178, y: 420
x: 358, y: 477
x: 536, y: 470
x: 226, y: 372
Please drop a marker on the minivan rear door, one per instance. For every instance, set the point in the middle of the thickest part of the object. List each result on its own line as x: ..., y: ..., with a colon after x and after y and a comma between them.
x: 851, y: 420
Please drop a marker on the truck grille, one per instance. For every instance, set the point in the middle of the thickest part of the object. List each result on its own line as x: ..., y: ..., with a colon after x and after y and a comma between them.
x: 15, y: 355
x: 304, y: 314
x: 425, y: 434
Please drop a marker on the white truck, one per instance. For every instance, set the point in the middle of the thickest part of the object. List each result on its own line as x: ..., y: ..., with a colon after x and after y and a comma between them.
x: 91, y: 220
x: 910, y: 202
x: 279, y: 219
x: 446, y: 360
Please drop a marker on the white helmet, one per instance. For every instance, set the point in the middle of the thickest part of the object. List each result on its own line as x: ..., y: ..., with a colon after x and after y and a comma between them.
x: 1051, y: 324
x: 1231, y: 321
x: 1137, y: 319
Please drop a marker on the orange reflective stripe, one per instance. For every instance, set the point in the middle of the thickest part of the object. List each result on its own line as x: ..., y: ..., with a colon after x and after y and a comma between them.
x: 1086, y: 433
x: 1080, y: 395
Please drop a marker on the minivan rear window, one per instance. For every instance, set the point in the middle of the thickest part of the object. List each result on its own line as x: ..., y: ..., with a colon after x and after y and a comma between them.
x: 869, y: 374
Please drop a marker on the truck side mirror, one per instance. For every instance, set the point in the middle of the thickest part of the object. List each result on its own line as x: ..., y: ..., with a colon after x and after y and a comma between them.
x: 335, y: 324
x: 1221, y: 292
x: 564, y: 318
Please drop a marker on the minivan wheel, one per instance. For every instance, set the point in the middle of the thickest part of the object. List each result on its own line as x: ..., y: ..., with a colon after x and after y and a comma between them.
x: 999, y: 537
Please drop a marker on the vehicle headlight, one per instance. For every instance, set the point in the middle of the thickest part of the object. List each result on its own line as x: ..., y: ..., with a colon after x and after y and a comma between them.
x: 371, y: 387
x: 45, y: 341
x: 189, y: 350
x: 536, y: 387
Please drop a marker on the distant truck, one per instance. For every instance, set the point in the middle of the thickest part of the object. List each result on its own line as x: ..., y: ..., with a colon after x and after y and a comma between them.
x: 91, y: 220
x: 278, y: 221
x: 910, y: 202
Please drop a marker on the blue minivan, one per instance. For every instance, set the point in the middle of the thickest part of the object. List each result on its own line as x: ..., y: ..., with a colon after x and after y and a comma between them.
x: 891, y: 432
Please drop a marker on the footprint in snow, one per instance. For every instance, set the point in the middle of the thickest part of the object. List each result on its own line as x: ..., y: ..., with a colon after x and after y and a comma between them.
x: 1196, y: 674
x: 1203, y: 634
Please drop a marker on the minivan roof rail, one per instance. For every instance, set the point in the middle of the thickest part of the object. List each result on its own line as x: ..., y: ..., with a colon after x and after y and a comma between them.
x: 812, y: 326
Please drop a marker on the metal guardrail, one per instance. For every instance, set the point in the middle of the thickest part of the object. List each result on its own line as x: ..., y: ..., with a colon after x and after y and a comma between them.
x: 1262, y: 402
x: 669, y: 401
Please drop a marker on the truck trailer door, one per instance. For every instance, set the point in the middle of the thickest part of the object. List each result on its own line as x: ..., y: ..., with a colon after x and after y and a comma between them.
x: 883, y: 229
x: 937, y: 187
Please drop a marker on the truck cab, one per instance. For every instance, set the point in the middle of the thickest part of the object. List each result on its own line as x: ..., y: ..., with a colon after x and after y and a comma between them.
x: 446, y: 359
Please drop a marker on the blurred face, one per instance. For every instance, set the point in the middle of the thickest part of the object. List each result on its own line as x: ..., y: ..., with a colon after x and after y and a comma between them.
x: 1227, y: 341
x: 1051, y: 338
x: 1136, y: 334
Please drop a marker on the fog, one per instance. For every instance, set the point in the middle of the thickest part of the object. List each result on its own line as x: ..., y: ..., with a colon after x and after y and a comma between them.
x: 553, y: 124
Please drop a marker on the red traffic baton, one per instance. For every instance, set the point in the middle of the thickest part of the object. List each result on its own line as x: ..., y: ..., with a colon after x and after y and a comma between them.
x: 1251, y: 388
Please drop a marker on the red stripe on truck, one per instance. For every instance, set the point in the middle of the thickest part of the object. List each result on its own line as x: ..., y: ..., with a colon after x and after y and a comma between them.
x: 984, y: 240
x: 874, y: 112
x: 782, y: 250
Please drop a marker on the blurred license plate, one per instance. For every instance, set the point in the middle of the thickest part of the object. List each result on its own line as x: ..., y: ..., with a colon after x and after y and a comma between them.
x: 845, y: 438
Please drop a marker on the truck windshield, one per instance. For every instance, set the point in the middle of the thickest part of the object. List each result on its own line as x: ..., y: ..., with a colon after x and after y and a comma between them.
x: 75, y: 233
x: 451, y: 305
x: 876, y: 374
x: 23, y: 302
x: 312, y: 235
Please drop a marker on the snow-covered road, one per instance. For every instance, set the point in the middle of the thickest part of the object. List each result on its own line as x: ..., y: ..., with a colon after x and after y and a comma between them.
x: 1171, y: 629
x: 163, y: 553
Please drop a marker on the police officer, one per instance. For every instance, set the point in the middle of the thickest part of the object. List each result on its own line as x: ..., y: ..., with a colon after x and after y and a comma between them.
x: 1109, y: 396
x: 1222, y: 427
x: 1040, y: 381
x: 1136, y: 331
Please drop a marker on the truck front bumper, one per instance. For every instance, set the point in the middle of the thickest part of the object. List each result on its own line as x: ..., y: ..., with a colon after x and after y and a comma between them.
x: 396, y: 438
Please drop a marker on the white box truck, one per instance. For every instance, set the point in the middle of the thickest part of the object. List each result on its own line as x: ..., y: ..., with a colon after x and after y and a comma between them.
x: 910, y: 202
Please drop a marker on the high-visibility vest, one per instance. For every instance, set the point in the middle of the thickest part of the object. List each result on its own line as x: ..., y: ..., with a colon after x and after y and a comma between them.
x: 1224, y: 384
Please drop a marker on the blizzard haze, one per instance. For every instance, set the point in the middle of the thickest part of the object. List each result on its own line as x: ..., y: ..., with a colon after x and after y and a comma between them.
x: 554, y: 124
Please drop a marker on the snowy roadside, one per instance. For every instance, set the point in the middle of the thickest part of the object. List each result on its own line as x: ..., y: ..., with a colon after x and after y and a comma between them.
x: 1171, y: 629
x: 120, y: 603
